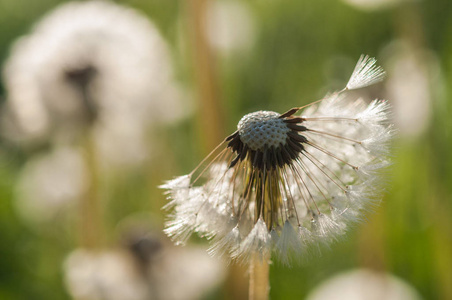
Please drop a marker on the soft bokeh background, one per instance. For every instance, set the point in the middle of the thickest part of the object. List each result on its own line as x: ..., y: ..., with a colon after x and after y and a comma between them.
x: 255, y: 55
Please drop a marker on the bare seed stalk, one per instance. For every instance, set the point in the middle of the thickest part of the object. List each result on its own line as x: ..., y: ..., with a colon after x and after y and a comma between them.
x: 90, y: 218
x: 259, y: 287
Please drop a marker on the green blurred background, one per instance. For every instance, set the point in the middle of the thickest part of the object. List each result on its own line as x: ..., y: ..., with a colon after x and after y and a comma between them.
x: 295, y: 53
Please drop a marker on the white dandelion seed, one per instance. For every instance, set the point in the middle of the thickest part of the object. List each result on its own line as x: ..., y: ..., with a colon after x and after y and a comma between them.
x: 284, y: 182
x: 366, y: 73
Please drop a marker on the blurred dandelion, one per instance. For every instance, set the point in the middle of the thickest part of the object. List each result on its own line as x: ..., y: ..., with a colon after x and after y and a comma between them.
x: 49, y: 184
x: 415, y: 76
x: 103, y: 275
x: 363, y: 284
x: 284, y: 182
x: 231, y: 27
x: 96, y: 65
x: 145, y: 267
x: 373, y: 5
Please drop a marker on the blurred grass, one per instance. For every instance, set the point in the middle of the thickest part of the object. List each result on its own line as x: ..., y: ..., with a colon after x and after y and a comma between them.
x: 288, y: 66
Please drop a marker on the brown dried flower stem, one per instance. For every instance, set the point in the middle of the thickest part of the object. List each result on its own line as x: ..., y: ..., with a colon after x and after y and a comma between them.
x: 206, y: 77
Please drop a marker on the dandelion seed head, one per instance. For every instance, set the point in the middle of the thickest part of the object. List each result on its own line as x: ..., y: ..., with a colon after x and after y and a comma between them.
x: 317, y: 171
x: 93, y: 65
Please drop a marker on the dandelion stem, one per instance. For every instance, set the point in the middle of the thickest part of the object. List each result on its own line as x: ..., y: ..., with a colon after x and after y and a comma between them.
x: 90, y: 218
x: 259, y: 278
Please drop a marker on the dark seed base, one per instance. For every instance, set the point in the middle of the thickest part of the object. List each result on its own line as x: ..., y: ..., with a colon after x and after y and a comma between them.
x: 270, y: 158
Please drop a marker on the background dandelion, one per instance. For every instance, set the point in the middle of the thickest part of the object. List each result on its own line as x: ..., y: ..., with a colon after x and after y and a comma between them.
x: 51, y: 184
x: 298, y: 52
x: 145, y: 266
x: 95, y: 65
x: 364, y: 284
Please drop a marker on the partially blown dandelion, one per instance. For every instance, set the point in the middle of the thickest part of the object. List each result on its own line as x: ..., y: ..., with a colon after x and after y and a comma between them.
x: 283, y: 182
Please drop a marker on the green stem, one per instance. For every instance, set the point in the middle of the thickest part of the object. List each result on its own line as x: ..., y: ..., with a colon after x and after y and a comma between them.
x: 90, y: 206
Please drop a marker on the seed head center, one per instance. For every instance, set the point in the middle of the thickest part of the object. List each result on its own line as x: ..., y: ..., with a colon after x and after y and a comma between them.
x: 262, y: 128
